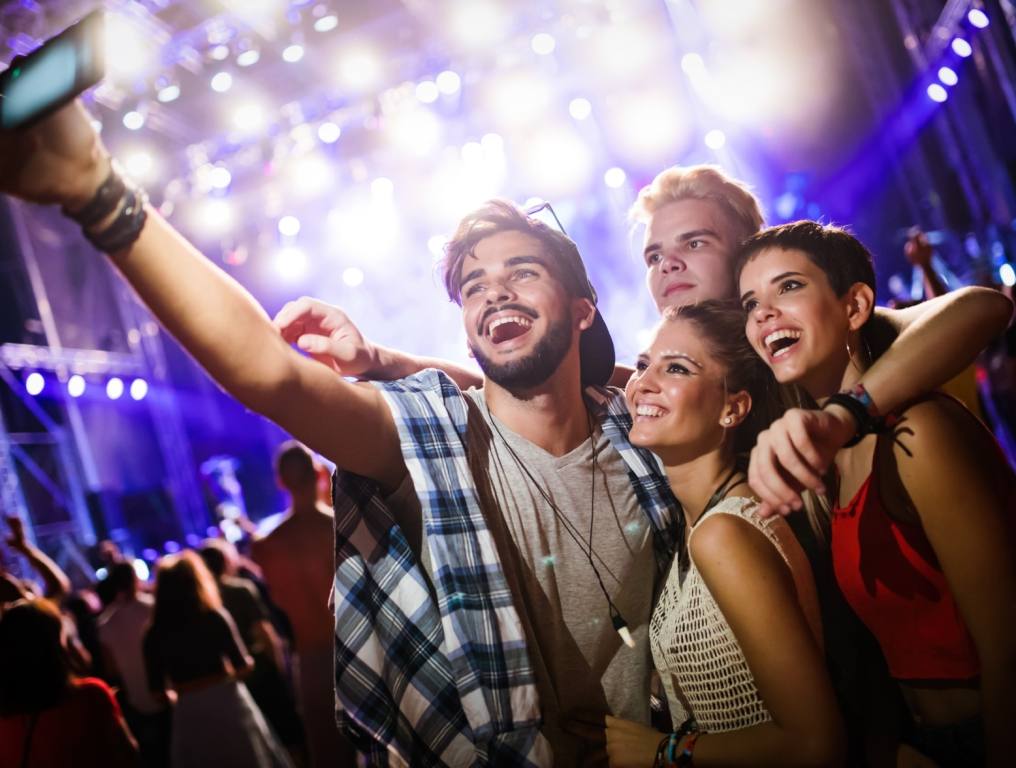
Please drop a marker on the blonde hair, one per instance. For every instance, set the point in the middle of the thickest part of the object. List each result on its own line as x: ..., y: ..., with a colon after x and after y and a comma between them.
x: 702, y: 182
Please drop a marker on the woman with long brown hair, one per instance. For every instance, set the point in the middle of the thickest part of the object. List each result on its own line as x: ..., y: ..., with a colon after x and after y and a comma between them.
x: 194, y: 655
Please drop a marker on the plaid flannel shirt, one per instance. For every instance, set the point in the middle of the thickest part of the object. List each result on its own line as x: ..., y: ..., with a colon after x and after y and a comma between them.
x: 446, y: 684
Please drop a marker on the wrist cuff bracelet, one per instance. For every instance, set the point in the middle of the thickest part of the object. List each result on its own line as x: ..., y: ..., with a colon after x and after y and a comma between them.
x: 105, y: 200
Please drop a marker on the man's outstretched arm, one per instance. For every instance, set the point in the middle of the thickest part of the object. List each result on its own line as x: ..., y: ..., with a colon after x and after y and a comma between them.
x: 62, y: 160
x: 934, y: 342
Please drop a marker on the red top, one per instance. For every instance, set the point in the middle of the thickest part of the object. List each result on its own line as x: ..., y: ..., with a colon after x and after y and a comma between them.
x: 890, y: 576
x: 84, y: 730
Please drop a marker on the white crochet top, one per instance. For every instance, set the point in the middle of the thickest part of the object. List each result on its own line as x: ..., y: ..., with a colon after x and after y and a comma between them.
x: 699, y: 659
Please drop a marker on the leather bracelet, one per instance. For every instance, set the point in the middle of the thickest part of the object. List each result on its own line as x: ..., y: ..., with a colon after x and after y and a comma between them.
x: 866, y: 423
x: 105, y: 200
x: 126, y: 227
x: 661, y: 751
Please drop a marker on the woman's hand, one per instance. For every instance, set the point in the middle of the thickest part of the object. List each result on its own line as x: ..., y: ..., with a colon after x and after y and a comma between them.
x: 631, y: 745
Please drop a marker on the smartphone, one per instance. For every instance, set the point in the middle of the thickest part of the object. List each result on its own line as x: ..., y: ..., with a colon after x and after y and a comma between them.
x: 53, y: 74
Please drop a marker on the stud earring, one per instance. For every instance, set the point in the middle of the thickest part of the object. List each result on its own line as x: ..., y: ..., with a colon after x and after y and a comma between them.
x: 727, y: 420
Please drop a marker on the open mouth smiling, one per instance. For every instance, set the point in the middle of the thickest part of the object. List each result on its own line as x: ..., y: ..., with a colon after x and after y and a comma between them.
x: 507, y: 327
x: 779, y: 343
x: 646, y: 411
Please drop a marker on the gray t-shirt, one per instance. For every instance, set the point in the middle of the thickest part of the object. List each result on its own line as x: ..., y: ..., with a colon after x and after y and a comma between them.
x: 583, y: 670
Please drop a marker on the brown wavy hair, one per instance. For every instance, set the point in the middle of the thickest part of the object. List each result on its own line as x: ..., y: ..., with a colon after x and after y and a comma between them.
x: 184, y: 589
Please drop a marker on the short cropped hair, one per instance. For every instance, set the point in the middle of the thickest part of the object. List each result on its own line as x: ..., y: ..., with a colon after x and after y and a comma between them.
x: 835, y: 251
x: 294, y: 465
x: 702, y: 182
x: 496, y: 216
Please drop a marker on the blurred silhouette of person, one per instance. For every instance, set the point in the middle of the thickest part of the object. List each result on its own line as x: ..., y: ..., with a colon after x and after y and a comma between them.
x: 296, y: 560
x: 193, y: 654
x: 48, y: 716
x: 122, y: 628
x: 268, y: 680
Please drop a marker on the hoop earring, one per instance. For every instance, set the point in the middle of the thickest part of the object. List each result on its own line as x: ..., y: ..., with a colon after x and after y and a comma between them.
x: 850, y: 356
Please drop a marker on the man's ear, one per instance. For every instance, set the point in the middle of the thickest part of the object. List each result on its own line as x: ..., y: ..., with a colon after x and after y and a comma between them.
x: 860, y: 300
x: 584, y: 312
x: 736, y: 410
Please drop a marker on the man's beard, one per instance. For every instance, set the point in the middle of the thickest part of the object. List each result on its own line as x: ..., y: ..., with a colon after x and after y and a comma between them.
x: 534, y: 369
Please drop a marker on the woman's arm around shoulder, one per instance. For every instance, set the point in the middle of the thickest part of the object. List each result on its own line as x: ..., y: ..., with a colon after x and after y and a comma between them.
x: 753, y: 587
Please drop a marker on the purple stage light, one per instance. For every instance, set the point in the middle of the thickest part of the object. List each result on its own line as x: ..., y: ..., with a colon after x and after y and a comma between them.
x: 76, y: 386
x: 34, y: 383
x: 978, y: 18
x: 171, y: 547
x: 948, y: 76
x: 114, y: 388
x: 149, y: 554
x: 139, y: 388
x: 961, y: 47
x: 192, y: 539
x: 212, y: 532
x: 937, y: 93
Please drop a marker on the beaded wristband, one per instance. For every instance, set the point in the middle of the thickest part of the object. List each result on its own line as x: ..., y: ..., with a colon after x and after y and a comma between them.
x: 684, y: 760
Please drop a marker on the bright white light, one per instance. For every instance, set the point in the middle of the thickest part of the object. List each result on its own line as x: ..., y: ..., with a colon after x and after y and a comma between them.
x: 140, y: 165
x: 472, y: 152
x: 427, y: 91
x: 222, y: 82
x: 326, y: 23
x: 34, y: 383
x: 215, y: 216
x: 76, y: 386
x: 169, y: 93
x: 249, y: 118
x: 382, y: 189
x: 416, y: 131
x: 948, y: 76
x: 556, y: 161
x: 292, y: 53
x: 289, y: 226
x: 448, y: 82
x: 352, y: 276
x: 937, y: 93
x: 436, y: 244
x: 139, y: 388
x: 978, y: 18
x: 477, y: 24
x: 219, y: 52
x: 365, y: 230
x: 133, y: 120
x: 247, y: 58
x: 1007, y: 274
x: 130, y: 53
x: 715, y: 139
x: 360, y: 68
x: 961, y: 47
x: 693, y: 65
x: 520, y: 97
x: 543, y: 43
x: 492, y: 142
x: 220, y: 177
x: 101, y: 573
x: 645, y: 126
x: 614, y: 177
x: 309, y: 176
x: 114, y: 388
x: 291, y: 263
x: 141, y: 569
x: 580, y: 108
x: 329, y: 132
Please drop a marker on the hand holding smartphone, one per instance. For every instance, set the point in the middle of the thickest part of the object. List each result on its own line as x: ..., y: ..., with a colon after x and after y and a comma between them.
x: 38, y: 84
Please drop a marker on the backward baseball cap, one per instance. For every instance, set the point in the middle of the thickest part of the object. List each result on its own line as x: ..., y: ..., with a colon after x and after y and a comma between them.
x: 596, y: 347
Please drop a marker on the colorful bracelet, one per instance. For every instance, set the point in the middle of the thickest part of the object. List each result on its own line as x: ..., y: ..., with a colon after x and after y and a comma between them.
x: 684, y: 760
x: 860, y: 405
